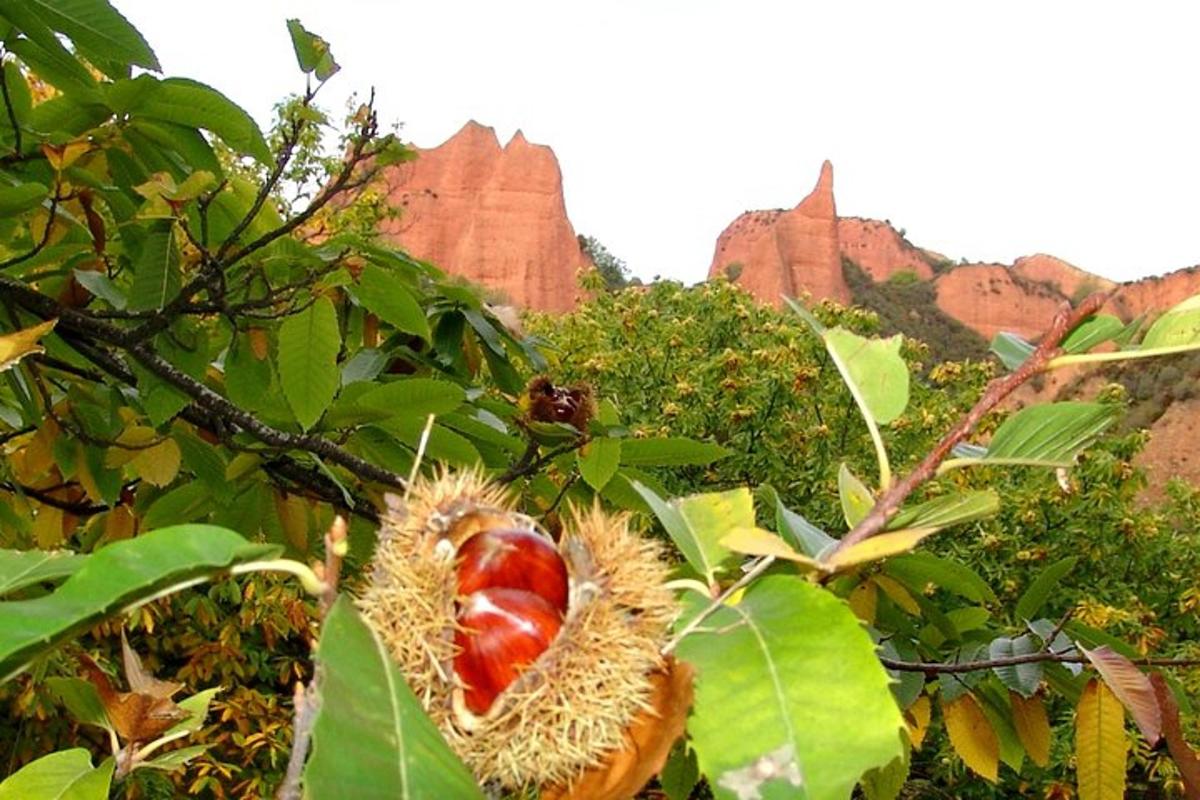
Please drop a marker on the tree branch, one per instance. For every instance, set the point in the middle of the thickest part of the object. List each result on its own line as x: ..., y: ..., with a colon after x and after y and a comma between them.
x: 997, y: 390
x: 931, y: 668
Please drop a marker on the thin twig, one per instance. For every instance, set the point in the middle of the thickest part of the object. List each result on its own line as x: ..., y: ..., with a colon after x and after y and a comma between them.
x: 307, y: 698
x: 997, y: 390
x: 307, y: 703
x: 951, y: 668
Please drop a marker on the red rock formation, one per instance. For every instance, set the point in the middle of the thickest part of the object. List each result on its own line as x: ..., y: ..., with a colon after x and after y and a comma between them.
x: 1155, y: 295
x: 879, y: 249
x: 493, y: 215
x: 1067, y: 279
x: 776, y: 253
x: 990, y: 298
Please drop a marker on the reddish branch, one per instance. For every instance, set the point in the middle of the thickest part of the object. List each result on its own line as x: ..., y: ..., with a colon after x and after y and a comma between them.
x: 997, y: 390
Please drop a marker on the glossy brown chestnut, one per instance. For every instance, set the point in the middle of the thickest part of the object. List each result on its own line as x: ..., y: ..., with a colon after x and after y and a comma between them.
x: 501, y: 631
x: 513, y: 559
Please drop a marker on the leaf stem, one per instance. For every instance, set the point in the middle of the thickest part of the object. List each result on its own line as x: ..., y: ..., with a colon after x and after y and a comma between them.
x: 1118, y: 355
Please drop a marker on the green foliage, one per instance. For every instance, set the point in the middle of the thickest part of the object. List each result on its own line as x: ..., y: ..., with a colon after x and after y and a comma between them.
x: 371, y: 738
x: 613, y: 270
x: 774, y: 675
x: 909, y: 306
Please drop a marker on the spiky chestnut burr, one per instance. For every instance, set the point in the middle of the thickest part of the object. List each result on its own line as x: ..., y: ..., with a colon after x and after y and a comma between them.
x: 601, y: 690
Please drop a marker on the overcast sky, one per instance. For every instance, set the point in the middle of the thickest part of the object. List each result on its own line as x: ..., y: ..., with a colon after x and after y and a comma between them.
x: 1067, y: 128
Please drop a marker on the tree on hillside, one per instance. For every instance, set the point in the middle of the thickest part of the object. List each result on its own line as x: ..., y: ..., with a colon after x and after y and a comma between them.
x: 612, y: 269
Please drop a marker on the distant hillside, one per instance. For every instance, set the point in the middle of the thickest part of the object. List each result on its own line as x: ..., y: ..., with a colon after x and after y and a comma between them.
x: 906, y: 304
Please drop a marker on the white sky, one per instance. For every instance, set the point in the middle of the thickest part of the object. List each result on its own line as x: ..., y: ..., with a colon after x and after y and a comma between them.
x: 1061, y: 127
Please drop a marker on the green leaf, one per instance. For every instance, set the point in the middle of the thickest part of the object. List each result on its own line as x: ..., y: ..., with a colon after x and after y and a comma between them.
x: 197, y: 708
x: 16, y: 200
x: 65, y: 775
x: 885, y: 783
x: 98, y: 29
x: 312, y: 52
x: 873, y: 370
x: 1043, y: 586
x: 102, y: 286
x: 21, y: 568
x: 1180, y: 325
x: 790, y: 699
x: 443, y: 445
x: 680, y: 774
x: 1050, y: 434
x: 1093, y: 331
x: 387, y: 296
x: 371, y: 739
x: 81, y: 699
x: 157, y: 278
x: 856, y: 498
x: 953, y: 509
x: 307, y: 363
x: 119, y: 576
x: 175, y: 759
x: 188, y: 102
x: 1022, y: 678
x: 415, y: 397
x: 698, y: 523
x: 671, y: 451
x: 798, y: 531
x: 915, y: 570
x: 1011, y: 349
x: 598, y: 461
x: 55, y: 65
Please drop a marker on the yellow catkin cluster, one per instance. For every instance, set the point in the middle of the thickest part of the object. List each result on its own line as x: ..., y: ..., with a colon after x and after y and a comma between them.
x: 571, y: 707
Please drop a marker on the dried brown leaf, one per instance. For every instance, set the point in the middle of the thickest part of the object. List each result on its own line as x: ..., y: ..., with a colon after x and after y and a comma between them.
x: 649, y: 741
x: 1183, y: 754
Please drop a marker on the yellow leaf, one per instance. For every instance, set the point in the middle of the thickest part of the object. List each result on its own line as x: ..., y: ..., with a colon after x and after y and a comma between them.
x: 863, y: 600
x: 293, y: 517
x: 260, y: 345
x: 1033, y: 726
x: 758, y: 542
x: 18, y: 344
x: 877, y: 547
x: 48, y: 527
x: 37, y: 456
x: 1100, y: 745
x: 83, y: 474
x: 132, y: 440
x: 158, y: 465
x: 916, y: 719
x: 899, y: 595
x: 972, y: 736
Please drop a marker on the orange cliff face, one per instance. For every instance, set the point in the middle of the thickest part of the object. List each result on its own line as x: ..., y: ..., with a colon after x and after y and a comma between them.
x: 880, y: 250
x: 786, y: 252
x: 493, y: 215
x: 990, y: 298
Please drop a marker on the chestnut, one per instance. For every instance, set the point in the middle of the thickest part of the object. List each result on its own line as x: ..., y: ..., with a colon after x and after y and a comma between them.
x: 500, y: 632
x: 513, y: 559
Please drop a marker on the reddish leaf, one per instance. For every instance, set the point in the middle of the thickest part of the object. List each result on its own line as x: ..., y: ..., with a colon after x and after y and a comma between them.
x: 1184, y: 755
x: 1132, y: 688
